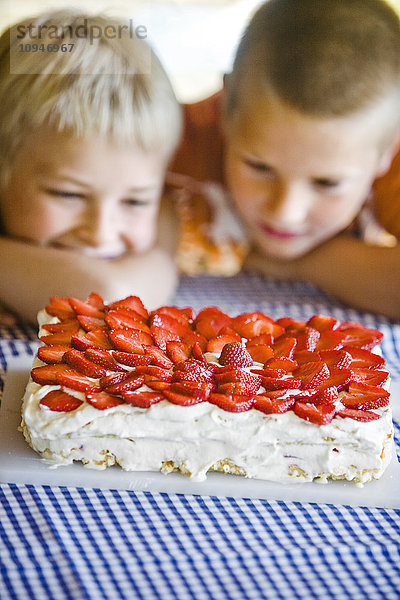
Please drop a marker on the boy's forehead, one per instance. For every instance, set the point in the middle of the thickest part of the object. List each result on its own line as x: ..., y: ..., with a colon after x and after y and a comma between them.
x: 259, y: 111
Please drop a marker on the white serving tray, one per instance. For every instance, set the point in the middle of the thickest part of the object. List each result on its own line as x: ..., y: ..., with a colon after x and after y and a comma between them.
x: 20, y: 464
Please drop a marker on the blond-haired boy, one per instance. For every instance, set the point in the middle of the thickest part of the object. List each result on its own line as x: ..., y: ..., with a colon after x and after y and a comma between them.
x: 89, y: 122
x: 310, y: 122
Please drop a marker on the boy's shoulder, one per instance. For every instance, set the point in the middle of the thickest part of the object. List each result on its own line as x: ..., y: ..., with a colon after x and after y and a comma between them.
x: 204, y: 113
x: 386, y: 193
x: 201, y: 150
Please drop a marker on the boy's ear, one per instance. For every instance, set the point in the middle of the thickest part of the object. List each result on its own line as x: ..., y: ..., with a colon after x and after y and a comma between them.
x: 388, y: 155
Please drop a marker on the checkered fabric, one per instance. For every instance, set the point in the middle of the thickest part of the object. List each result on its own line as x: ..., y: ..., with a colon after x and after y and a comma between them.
x: 59, y: 543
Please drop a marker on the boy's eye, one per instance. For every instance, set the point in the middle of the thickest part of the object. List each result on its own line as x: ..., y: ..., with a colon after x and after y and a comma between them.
x: 258, y: 166
x: 326, y: 183
x: 135, y: 202
x: 64, y: 194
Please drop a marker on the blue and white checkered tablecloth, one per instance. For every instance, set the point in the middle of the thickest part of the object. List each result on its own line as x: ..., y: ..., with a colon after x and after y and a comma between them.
x: 59, y: 543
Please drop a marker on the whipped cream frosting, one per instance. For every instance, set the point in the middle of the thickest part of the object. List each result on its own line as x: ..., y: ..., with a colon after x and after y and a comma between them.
x: 194, y: 439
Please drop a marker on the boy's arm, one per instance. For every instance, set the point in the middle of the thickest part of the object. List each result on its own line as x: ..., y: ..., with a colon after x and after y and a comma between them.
x: 30, y: 274
x: 366, y: 277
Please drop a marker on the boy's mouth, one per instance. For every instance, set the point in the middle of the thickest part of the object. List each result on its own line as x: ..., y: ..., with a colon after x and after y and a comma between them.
x: 99, y: 253
x: 278, y: 233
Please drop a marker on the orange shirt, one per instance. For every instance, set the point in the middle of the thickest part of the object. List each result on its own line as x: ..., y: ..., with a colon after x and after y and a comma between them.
x: 201, y: 157
x: 387, y: 198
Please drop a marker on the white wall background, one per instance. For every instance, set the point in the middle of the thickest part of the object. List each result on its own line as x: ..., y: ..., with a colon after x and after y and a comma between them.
x: 195, y: 40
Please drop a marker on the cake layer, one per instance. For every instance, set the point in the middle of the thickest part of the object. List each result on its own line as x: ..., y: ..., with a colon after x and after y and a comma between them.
x: 197, y: 438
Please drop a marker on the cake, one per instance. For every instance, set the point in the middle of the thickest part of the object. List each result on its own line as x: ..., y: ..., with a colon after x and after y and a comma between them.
x: 170, y: 390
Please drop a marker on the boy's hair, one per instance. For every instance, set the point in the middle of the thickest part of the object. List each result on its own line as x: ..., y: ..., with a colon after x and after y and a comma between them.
x: 110, y: 85
x: 324, y: 57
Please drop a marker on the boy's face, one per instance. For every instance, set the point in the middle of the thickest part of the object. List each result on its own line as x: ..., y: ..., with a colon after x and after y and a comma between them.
x: 89, y: 197
x: 297, y: 180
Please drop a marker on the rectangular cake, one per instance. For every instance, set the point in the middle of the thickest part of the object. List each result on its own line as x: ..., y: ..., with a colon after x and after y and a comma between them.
x: 279, y: 400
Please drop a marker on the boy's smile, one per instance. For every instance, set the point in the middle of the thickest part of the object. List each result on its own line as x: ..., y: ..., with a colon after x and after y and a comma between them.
x: 298, y: 180
x: 87, y: 196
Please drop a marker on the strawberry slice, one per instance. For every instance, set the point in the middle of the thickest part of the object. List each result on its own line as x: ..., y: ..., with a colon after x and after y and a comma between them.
x: 358, y: 336
x: 70, y: 325
x: 153, y: 372
x: 192, y: 337
x: 307, y: 338
x: 364, y: 396
x: 62, y: 338
x: 198, y: 353
x: 196, y: 389
x: 253, y: 382
x: 288, y: 383
x: 132, y: 302
x: 264, y: 339
x: 249, y: 325
x: 267, y: 372
x: 129, y: 383
x: 338, y: 378
x: 326, y: 395
x: 304, y: 356
x: 83, y: 308
x: 178, y: 351
x: 103, y: 400
x: 260, y: 353
x: 126, y: 318
x: 181, y: 399
x: 52, y: 354
x: 48, y: 374
x: 158, y: 386
x: 286, y: 364
x: 61, y: 308
x: 377, y: 377
x: 210, y: 325
x: 322, y: 323
x: 339, y: 359
x: 77, y: 360
x: 312, y: 374
x: 76, y: 381
x: 112, y: 379
x: 98, y: 338
x: 358, y: 415
x: 240, y: 388
x: 364, y: 358
x: 232, y: 402
x: 142, y: 399
x: 322, y: 414
x: 269, y: 405
x: 216, y: 344
x: 158, y: 357
x: 170, y: 323
x: 130, y: 340
x: 162, y: 336
x: 330, y: 340
x: 60, y: 401
x: 94, y: 299
x: 104, y: 359
x: 284, y: 347
x: 132, y: 360
x: 90, y: 323
x: 197, y: 370
x: 184, y: 315
x: 290, y: 324
x: 236, y: 354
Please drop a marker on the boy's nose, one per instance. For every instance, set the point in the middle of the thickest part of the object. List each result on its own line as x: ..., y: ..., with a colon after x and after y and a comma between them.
x: 99, y: 226
x: 290, y: 204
